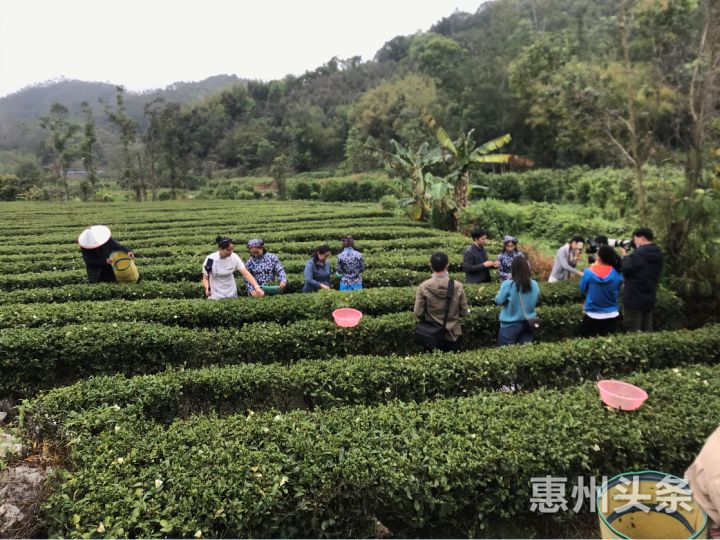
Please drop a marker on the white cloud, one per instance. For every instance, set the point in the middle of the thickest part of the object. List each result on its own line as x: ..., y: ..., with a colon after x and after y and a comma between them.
x: 152, y: 43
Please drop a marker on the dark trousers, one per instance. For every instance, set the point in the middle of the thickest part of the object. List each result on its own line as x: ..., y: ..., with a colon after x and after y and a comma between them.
x: 103, y: 274
x: 590, y: 327
x: 448, y: 346
x: 638, y: 321
x: 515, y: 333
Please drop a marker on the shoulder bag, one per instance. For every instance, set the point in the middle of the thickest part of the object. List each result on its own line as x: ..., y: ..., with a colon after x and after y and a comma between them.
x: 429, y: 333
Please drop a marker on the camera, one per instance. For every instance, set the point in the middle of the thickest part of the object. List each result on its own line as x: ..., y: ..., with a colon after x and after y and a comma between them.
x: 593, y: 244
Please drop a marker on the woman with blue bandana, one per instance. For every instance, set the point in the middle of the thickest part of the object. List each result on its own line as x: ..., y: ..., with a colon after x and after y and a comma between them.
x: 350, y: 266
x: 505, y: 259
x: 265, y: 268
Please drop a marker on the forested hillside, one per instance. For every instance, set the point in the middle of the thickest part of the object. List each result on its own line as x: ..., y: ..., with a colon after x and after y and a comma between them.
x: 565, y: 78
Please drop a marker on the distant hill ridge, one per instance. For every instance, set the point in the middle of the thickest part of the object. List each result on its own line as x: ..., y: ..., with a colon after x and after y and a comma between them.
x: 30, y: 103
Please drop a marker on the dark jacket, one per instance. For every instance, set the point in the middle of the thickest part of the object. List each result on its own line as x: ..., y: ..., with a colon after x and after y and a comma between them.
x: 96, y: 261
x: 641, y: 270
x: 475, y: 271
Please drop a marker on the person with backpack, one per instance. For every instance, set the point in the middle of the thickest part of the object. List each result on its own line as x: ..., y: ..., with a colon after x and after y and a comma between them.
x: 518, y: 297
x: 439, y: 303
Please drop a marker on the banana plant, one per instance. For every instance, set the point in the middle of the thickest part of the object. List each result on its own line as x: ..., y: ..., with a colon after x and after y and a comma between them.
x: 463, y: 155
x: 410, y: 165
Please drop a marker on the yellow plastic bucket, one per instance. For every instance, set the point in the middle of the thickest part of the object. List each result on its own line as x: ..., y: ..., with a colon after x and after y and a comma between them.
x: 649, y: 504
x: 124, y: 267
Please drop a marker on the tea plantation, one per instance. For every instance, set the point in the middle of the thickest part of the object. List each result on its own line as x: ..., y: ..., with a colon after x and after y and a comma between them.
x: 170, y: 415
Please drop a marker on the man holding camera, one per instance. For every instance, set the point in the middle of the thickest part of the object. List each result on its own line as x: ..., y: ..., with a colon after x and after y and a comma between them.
x: 641, y: 270
x: 475, y: 260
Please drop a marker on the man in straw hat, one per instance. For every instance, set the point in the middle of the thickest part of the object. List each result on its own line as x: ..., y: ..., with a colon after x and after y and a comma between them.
x: 96, y: 245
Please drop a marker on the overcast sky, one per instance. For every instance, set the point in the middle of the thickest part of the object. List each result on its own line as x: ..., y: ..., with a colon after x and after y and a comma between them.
x: 145, y: 44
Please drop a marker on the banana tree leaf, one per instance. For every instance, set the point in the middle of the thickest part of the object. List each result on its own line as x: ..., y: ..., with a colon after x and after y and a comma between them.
x: 491, y: 146
x: 442, y: 136
x: 493, y: 158
x: 406, y: 202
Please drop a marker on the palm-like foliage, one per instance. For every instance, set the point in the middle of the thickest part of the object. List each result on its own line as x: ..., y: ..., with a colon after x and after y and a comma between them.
x: 463, y: 155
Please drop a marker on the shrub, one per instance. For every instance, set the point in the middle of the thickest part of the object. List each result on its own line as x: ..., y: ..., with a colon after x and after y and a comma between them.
x: 447, y: 468
x: 365, y: 380
x: 38, y: 358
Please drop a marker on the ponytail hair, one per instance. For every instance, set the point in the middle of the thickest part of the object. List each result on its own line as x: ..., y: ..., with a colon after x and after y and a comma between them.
x: 223, y: 241
x: 320, y: 250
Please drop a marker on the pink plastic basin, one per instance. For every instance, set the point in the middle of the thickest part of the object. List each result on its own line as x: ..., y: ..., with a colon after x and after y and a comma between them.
x: 621, y: 395
x: 347, y: 317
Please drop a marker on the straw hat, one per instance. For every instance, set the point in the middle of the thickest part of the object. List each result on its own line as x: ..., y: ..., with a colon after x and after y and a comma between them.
x: 94, y: 237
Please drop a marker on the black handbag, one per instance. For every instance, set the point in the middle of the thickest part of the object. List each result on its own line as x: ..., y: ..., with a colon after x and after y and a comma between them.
x: 430, y: 334
x: 533, y: 322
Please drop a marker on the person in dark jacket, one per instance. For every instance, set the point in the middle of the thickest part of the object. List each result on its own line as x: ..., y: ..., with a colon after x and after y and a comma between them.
x: 96, y: 245
x: 600, y: 285
x: 641, y: 270
x: 475, y: 260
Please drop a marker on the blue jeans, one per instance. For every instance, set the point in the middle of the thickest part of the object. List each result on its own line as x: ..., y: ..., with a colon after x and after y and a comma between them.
x: 516, y: 332
x: 345, y: 287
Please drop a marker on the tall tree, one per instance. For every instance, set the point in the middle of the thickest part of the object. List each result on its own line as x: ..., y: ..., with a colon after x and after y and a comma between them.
x: 87, y: 146
x: 61, y: 147
x: 127, y: 127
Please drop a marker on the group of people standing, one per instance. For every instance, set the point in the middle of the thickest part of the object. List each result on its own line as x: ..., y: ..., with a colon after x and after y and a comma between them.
x: 263, y: 269
x: 600, y: 283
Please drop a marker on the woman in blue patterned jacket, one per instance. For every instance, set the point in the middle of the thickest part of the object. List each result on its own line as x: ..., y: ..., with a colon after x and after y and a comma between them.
x: 505, y: 259
x: 265, y: 268
x: 350, y: 266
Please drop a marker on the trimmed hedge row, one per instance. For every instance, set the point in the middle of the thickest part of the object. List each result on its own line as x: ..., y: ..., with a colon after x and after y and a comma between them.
x: 264, y: 224
x: 369, y: 380
x: 316, y: 235
x: 454, y: 243
x: 40, y: 358
x: 123, y: 213
x: 446, y: 468
x: 235, y: 313
x: 293, y: 262
x: 379, y: 277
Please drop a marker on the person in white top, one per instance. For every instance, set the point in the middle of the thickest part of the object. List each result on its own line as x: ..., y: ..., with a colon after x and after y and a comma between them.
x: 219, y: 272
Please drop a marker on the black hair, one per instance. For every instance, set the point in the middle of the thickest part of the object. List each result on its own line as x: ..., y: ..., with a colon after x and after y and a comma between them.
x: 439, y: 261
x: 223, y: 241
x: 645, y: 233
x: 577, y: 238
x: 608, y: 255
x: 477, y: 233
x: 347, y: 241
x: 602, y: 240
x: 520, y: 271
x: 320, y: 250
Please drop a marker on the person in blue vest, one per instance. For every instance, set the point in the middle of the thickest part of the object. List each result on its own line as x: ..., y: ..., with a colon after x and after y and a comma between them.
x: 317, y: 270
x: 350, y: 266
x: 600, y: 284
